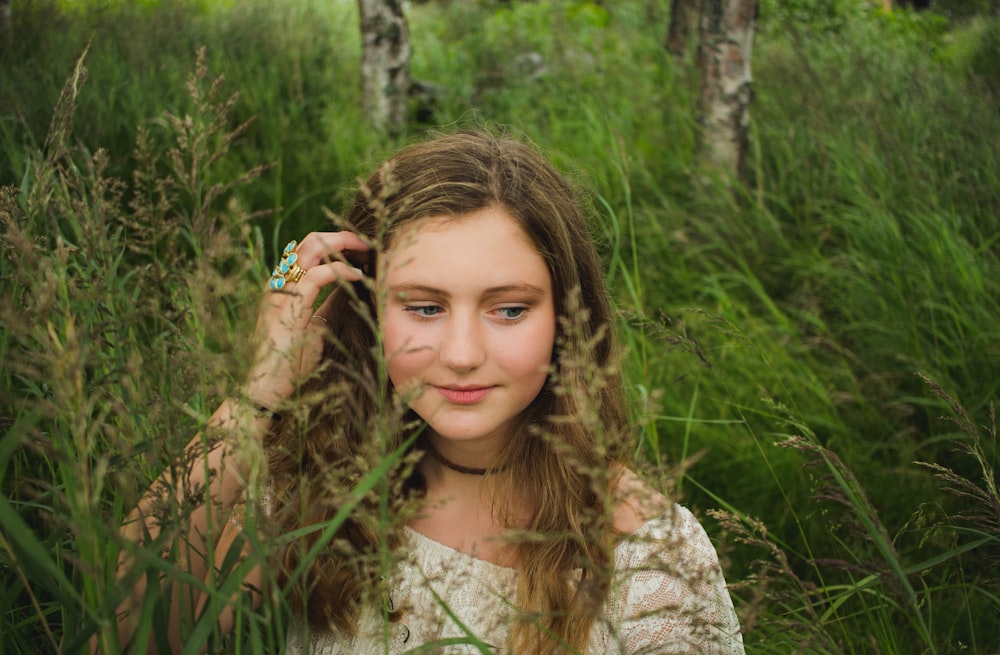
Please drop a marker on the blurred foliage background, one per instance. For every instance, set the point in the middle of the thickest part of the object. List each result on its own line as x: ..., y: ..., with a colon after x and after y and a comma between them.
x: 824, y: 340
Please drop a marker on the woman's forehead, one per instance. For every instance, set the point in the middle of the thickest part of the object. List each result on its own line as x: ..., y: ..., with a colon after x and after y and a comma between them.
x: 434, y: 226
x: 487, y: 245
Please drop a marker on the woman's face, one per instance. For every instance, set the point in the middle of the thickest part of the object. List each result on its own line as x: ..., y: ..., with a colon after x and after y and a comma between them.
x: 468, y: 324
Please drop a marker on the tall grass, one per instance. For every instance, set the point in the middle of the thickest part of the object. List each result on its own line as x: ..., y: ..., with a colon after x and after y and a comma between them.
x: 121, y: 313
x: 799, y: 339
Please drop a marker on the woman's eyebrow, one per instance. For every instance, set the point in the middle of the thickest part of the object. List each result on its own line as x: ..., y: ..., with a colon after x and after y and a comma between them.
x: 404, y: 290
x: 519, y: 287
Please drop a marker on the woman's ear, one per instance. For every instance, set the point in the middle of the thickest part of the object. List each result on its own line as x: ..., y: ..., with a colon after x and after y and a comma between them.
x: 370, y: 267
x: 364, y: 289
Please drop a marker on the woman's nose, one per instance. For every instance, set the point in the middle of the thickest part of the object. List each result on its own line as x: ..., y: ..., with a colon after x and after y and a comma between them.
x: 463, y: 347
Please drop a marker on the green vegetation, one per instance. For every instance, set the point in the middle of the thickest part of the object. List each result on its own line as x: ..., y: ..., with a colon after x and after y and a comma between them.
x: 823, y: 341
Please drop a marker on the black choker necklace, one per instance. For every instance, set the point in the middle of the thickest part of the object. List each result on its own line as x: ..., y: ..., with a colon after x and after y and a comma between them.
x: 452, y: 465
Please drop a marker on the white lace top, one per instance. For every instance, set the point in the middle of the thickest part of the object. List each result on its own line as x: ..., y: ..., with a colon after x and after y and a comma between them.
x: 668, y: 596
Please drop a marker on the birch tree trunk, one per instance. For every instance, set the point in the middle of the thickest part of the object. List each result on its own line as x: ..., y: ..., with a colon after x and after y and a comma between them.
x: 726, y: 39
x: 682, y: 15
x: 385, y: 63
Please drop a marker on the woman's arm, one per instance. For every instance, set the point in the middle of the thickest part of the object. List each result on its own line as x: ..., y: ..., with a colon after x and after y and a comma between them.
x: 669, y: 594
x: 209, y: 481
x: 201, y: 492
x: 673, y: 597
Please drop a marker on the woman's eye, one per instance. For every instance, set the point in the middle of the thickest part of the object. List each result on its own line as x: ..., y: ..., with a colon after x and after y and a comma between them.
x: 424, y: 311
x: 512, y: 313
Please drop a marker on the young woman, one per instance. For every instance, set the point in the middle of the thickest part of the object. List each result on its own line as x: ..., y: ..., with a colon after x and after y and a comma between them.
x: 464, y: 360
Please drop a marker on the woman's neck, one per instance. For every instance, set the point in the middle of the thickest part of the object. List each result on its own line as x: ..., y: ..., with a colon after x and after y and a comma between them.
x: 448, y: 458
x: 460, y: 468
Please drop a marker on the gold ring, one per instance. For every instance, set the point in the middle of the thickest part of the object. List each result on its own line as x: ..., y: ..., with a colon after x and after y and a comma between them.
x: 287, y: 269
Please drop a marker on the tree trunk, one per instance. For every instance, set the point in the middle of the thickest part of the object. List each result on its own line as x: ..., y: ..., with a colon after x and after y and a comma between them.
x: 385, y: 63
x: 682, y: 16
x: 726, y: 39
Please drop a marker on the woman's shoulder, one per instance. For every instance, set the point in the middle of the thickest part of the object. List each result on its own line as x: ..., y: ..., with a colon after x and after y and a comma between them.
x: 636, y: 503
x: 643, y: 514
x: 649, y: 524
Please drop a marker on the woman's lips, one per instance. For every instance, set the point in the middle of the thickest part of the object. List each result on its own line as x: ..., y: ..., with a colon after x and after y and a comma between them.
x: 464, y: 395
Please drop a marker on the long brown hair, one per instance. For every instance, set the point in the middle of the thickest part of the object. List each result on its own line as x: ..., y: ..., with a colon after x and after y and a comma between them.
x: 559, y: 459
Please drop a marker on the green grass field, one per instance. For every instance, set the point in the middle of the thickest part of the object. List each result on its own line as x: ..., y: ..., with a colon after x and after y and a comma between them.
x: 821, y: 345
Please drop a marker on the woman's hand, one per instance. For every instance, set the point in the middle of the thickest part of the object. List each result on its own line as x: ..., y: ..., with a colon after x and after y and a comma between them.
x: 289, y: 333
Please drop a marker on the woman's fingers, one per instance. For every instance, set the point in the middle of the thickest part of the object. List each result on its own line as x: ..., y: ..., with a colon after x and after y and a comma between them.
x: 325, y: 257
x: 322, y: 275
x: 324, y: 247
x: 325, y: 311
x: 290, y: 340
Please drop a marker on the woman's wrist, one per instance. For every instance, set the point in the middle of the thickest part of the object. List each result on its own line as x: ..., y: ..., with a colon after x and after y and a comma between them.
x: 263, y: 411
x: 260, y: 409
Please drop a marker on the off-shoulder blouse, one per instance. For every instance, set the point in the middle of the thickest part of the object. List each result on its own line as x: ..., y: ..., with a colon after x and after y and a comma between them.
x: 668, y: 596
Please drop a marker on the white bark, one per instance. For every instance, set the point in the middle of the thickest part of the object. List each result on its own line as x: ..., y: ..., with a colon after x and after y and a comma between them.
x: 726, y: 40
x: 385, y: 63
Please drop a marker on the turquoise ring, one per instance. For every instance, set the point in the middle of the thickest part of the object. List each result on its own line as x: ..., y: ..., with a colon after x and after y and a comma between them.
x: 287, y: 269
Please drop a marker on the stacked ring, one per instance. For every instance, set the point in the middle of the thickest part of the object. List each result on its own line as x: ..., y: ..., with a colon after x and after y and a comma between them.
x: 287, y: 269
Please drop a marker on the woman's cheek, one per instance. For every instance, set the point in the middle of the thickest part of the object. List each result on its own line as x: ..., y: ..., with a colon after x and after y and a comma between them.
x: 406, y: 360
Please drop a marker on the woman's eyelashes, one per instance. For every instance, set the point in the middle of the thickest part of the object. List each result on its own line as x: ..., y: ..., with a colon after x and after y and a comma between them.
x: 512, y: 314
x: 505, y: 314
x: 423, y: 312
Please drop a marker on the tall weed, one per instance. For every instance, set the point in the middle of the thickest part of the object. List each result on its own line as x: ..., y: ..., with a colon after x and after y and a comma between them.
x: 117, y: 306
